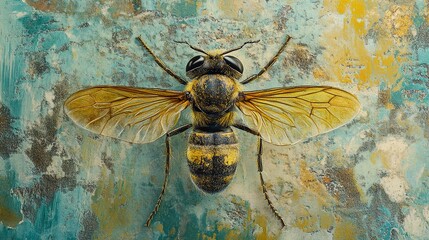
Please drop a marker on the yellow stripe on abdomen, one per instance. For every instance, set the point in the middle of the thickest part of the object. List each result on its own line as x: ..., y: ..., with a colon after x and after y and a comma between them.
x: 212, y: 159
x: 198, y: 154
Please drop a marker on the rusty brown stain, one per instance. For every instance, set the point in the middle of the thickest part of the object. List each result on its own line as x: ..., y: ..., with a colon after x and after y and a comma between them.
x: 346, y: 191
x: 8, y: 217
x: 300, y: 57
x: 312, y: 184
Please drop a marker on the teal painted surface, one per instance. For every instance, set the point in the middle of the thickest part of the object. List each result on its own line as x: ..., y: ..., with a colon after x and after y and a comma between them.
x: 366, y: 180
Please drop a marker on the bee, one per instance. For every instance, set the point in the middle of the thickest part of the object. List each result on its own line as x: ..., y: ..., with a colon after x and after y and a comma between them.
x: 280, y: 116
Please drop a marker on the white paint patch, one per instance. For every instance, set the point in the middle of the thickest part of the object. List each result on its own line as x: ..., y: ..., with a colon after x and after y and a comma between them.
x: 50, y: 97
x: 356, y: 142
x: 30, y: 105
x: 105, y: 10
x: 20, y: 14
x: 414, y: 224
x: 198, y: 211
x: 395, y: 187
x: 394, y: 149
x: 24, y: 170
x: 370, y: 45
x: 335, y: 19
x: 55, y: 168
x: 426, y: 213
x: 70, y: 35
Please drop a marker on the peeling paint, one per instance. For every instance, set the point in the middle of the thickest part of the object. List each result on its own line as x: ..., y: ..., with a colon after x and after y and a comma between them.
x: 395, y: 187
x: 414, y: 224
x: 10, y: 140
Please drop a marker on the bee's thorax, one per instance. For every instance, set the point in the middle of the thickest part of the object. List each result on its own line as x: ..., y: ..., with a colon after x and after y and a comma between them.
x: 213, y: 98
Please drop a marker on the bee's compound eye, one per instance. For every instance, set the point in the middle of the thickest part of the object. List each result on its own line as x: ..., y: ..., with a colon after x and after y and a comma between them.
x: 195, y: 62
x: 234, y: 62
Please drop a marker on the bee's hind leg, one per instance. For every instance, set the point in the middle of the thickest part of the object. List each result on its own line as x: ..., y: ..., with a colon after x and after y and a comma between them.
x: 264, y: 188
x: 260, y: 169
x: 167, y: 168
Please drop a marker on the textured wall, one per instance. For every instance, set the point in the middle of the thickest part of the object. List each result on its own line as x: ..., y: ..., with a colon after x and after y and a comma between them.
x: 367, y: 180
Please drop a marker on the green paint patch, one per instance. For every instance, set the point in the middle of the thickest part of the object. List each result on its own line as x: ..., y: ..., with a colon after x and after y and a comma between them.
x: 419, y: 21
x: 414, y: 84
x: 185, y: 8
x: 38, y: 23
x: 423, y: 55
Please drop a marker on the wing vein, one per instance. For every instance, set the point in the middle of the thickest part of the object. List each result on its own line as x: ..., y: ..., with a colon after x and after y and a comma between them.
x: 288, y: 115
x: 132, y: 114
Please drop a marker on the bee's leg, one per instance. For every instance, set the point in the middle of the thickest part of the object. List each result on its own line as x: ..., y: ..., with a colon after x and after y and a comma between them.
x: 264, y: 188
x: 162, y: 64
x: 260, y: 169
x: 167, y: 168
x: 268, y: 65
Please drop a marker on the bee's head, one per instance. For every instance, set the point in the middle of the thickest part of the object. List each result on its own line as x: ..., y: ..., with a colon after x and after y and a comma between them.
x: 215, y: 63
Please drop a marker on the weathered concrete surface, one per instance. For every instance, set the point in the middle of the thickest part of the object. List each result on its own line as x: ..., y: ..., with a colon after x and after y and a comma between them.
x: 367, y: 180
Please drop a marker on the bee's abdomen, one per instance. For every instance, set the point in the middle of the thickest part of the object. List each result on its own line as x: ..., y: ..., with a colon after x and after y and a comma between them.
x: 212, y: 159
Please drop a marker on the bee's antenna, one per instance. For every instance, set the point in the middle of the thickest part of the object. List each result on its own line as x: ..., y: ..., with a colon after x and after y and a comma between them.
x: 195, y: 48
x: 240, y: 47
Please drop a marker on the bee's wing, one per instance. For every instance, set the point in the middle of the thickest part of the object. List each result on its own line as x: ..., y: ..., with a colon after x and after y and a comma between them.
x: 134, y: 115
x: 285, y: 116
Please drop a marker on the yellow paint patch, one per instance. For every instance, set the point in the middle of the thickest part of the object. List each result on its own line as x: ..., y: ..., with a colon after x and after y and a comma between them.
x: 398, y: 20
x: 262, y: 222
x: 343, y: 5
x: 160, y: 228
x: 326, y: 220
x: 354, y: 56
x: 319, y: 73
x: 357, y: 10
x: 305, y: 220
x: 310, y: 182
x: 358, y: 15
x: 233, y: 9
x: 374, y: 157
x: 427, y: 14
x: 345, y: 230
x: 233, y: 234
x: 110, y: 205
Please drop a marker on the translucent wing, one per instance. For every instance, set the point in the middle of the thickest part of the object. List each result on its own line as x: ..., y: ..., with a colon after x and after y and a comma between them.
x: 135, y: 115
x: 285, y: 116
